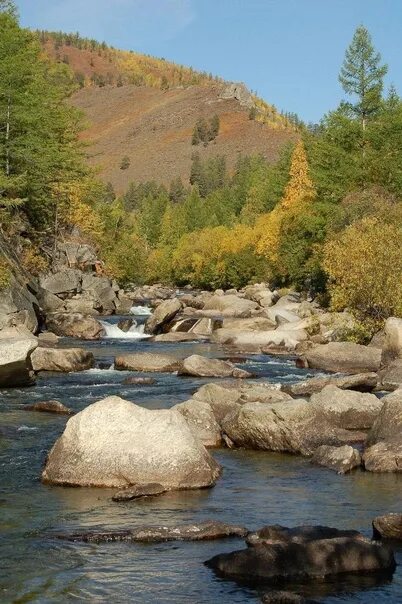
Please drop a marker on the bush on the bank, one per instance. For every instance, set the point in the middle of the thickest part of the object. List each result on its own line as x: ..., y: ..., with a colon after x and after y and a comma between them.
x: 364, y: 265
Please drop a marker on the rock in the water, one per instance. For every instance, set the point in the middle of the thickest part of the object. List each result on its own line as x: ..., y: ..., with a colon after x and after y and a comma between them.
x: 75, y: 325
x: 266, y: 341
x: 384, y: 441
x: 115, y: 443
x: 201, y: 421
x: 362, y: 382
x: 139, y: 490
x: 47, y: 339
x: 176, y: 336
x: 275, y: 533
x: 231, y: 306
x: 200, y: 366
x: 125, y: 324
x: 50, y: 407
x: 139, y: 381
x: 388, y: 526
x: 162, y: 315
x: 344, y: 357
x: 283, y: 597
x: 299, y: 561
x: 203, y: 531
x: 346, y: 408
x: 341, y: 459
x: 62, y: 359
x: 147, y: 361
x: 15, y: 361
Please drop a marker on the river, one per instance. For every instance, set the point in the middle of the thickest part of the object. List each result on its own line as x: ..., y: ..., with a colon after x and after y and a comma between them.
x: 256, y: 488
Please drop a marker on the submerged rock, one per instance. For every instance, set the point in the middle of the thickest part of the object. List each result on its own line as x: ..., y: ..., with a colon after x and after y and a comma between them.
x: 62, y: 359
x: 147, y: 361
x: 341, y: 459
x: 344, y: 357
x: 200, y: 366
x: 115, y: 443
x: 50, y: 407
x: 203, y: 531
x: 139, y: 490
x: 388, y: 526
x: 139, y: 381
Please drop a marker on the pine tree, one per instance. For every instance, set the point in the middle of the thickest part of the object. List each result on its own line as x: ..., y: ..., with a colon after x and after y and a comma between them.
x: 362, y: 75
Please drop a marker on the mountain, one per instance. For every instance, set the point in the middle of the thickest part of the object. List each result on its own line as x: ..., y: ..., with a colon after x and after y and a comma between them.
x: 145, y: 109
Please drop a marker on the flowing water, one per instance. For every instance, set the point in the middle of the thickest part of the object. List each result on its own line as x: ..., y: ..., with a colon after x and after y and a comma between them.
x: 256, y: 488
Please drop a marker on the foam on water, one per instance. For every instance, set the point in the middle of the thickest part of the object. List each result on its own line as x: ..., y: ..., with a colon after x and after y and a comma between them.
x: 136, y: 332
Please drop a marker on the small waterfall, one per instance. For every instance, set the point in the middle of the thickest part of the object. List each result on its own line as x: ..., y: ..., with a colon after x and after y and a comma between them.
x: 143, y: 311
x: 136, y: 332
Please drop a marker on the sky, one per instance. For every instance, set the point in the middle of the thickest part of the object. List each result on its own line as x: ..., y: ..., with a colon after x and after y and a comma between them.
x: 288, y: 51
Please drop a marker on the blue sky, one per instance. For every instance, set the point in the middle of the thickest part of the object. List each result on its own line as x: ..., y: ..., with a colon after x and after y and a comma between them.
x: 289, y: 51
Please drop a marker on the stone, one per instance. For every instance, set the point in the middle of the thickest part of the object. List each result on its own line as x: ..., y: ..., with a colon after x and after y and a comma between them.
x: 275, y: 533
x: 75, y: 325
x: 102, y: 291
x: 75, y: 255
x: 390, y: 377
x: 200, y: 366
x: 249, y: 324
x: 48, y: 339
x: 231, y: 306
x: 346, y: 408
x: 201, y: 421
x: 162, y: 315
x: 62, y: 359
x: 147, y: 362
x: 239, y: 92
x: 266, y: 341
x: 341, y: 459
x: 388, y: 526
x: 15, y: 361
x: 177, y: 336
x: 115, y: 443
x: 18, y: 306
x: 83, y: 304
x: 139, y: 381
x: 343, y: 357
x: 283, y: 597
x: 312, y: 560
x: 49, y: 302
x: 125, y: 324
x: 202, y: 531
x: 392, y: 347
x: 384, y: 456
x: 384, y: 441
x: 49, y: 407
x: 64, y: 281
x: 206, y: 326
x: 138, y: 491
x: 281, y: 315
x: 362, y: 382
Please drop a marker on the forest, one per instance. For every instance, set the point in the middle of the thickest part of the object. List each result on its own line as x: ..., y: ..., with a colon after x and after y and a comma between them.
x: 326, y: 219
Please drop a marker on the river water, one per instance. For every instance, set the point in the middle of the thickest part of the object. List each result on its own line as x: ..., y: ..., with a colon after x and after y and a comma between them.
x: 256, y: 488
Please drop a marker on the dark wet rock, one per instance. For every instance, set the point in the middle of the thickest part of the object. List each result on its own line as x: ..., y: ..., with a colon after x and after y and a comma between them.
x: 292, y: 561
x: 50, y: 407
x: 341, y: 459
x: 15, y: 361
x: 147, y: 361
x: 283, y: 597
x: 276, y: 533
x: 388, y: 526
x: 361, y: 382
x: 165, y: 312
x: 203, y: 531
x: 125, y: 324
x: 62, y: 359
x: 75, y: 325
x: 139, y: 490
x: 115, y: 443
x: 139, y: 381
x: 343, y: 357
x: 200, y: 366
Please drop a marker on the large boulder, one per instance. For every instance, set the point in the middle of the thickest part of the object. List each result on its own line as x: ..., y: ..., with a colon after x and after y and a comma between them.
x: 65, y: 281
x: 344, y: 357
x: 49, y: 302
x: 199, y: 366
x: 115, y: 443
x: 341, y: 459
x: 362, y: 382
x: 73, y: 254
x: 62, y: 359
x: 384, y: 452
x: 288, y: 426
x: 102, y: 291
x: 388, y: 526
x: 75, y: 325
x: 15, y: 361
x: 231, y: 306
x: 293, y: 561
x: 390, y: 377
x: 18, y: 306
x: 346, y: 408
x: 201, y: 421
x: 392, y: 346
x: 147, y: 362
x: 269, y: 341
x: 162, y: 315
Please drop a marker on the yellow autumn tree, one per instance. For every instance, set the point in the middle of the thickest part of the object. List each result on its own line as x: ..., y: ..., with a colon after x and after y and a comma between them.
x: 298, y: 192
